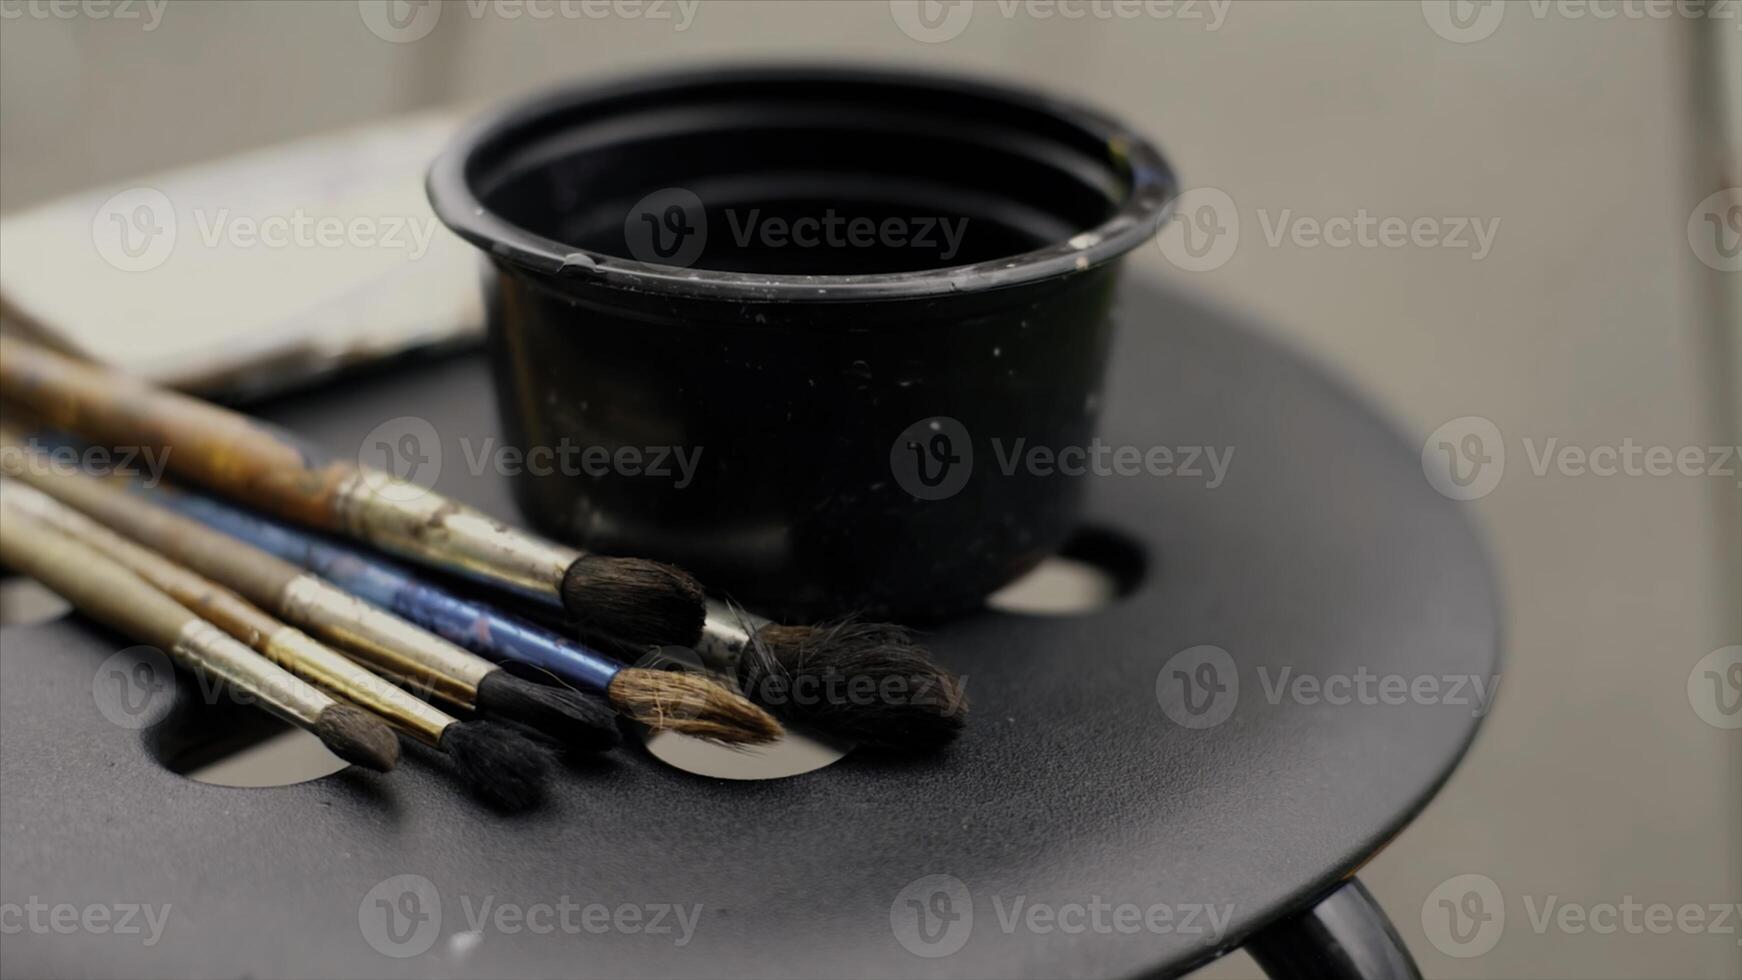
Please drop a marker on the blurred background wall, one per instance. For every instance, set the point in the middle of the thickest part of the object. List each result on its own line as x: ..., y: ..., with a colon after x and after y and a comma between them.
x: 1586, y: 142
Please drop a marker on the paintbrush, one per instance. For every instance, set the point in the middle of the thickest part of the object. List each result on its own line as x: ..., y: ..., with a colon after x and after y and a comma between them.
x: 865, y: 682
x: 494, y: 761
x: 112, y: 595
x: 640, y: 601
x: 477, y: 627
x: 868, y: 683
x: 426, y: 663
x: 387, y: 642
x: 778, y: 666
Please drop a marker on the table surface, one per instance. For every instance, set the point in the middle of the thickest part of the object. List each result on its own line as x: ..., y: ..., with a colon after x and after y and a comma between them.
x: 1125, y: 801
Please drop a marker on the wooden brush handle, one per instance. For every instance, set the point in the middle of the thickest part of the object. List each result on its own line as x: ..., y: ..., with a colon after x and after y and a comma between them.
x: 284, y: 645
x: 99, y: 588
x: 104, y: 590
x: 374, y: 636
x: 212, y: 554
x: 245, y: 460
x: 222, y: 449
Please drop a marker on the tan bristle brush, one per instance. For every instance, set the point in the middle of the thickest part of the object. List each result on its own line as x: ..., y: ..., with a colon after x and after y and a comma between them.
x: 494, y: 761
x: 662, y: 700
x: 110, y: 594
x: 641, y: 602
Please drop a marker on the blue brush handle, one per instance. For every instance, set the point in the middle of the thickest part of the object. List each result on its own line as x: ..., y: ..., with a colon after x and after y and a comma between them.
x: 473, y: 625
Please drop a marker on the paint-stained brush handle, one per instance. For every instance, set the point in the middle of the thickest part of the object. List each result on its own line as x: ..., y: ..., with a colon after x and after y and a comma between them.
x: 284, y: 645
x: 385, y: 642
x: 631, y: 599
x: 242, y: 458
x: 267, y: 467
x: 222, y: 449
x: 476, y: 626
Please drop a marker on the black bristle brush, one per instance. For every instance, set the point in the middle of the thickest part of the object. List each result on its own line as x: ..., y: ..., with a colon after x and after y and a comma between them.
x: 107, y: 592
x: 494, y: 762
x: 381, y: 640
x: 868, y: 683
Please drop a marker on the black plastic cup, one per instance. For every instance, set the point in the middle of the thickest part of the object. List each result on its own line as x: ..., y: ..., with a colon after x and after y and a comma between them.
x: 797, y: 329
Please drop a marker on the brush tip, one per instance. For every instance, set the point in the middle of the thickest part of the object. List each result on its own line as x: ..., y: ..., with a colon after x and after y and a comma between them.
x: 634, y: 601
x: 691, y: 704
x: 574, y: 720
x: 869, y: 683
x: 358, y: 737
x: 502, y: 767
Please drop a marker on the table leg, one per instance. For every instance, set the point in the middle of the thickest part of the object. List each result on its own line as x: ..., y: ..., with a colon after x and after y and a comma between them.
x: 1346, y: 936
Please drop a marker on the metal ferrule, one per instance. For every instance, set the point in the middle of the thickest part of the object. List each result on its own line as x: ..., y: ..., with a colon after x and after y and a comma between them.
x: 408, y: 520
x: 316, y: 663
x: 385, y: 642
x: 202, y: 647
x: 725, y: 636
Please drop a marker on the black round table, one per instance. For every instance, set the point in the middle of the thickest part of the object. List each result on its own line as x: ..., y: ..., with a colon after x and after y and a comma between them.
x: 1199, y: 766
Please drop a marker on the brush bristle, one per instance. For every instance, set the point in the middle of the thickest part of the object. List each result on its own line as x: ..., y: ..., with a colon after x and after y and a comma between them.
x: 358, y: 737
x: 635, y: 601
x: 504, y: 768
x: 868, y: 683
x: 691, y: 704
x: 574, y: 720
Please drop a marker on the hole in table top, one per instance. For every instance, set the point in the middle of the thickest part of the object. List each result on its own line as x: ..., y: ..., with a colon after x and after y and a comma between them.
x: 234, y: 744
x: 24, y: 602
x: 1095, y: 568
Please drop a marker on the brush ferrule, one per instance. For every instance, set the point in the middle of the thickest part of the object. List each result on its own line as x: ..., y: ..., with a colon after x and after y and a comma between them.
x: 408, y: 520
x: 315, y: 662
x: 726, y: 635
x: 385, y: 642
x: 204, y: 648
